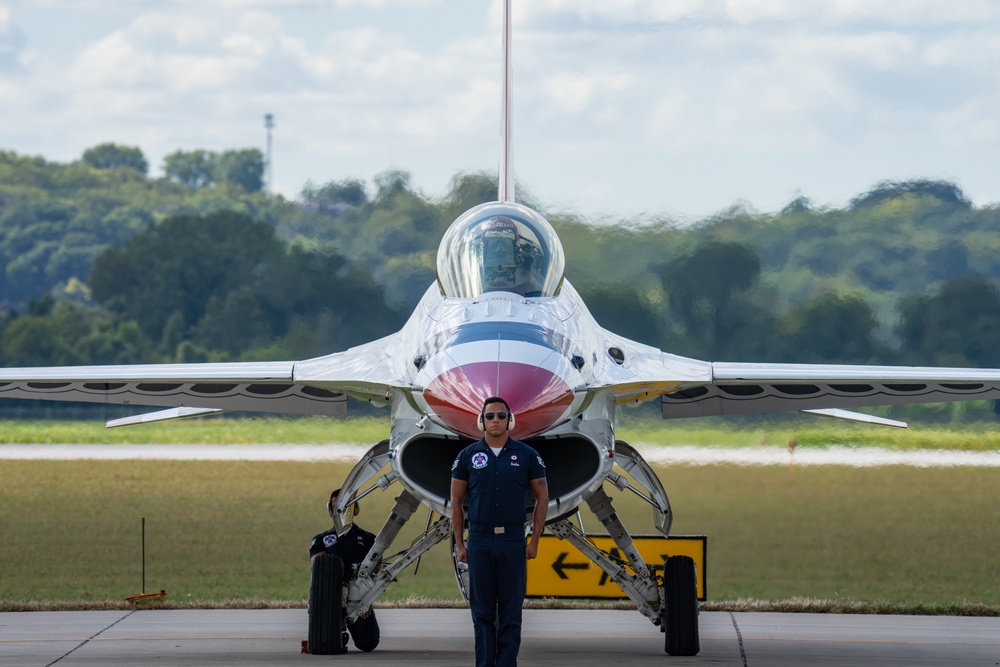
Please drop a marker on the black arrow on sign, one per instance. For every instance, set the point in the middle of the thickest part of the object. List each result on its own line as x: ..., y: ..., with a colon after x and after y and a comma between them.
x: 614, y: 555
x: 560, y: 565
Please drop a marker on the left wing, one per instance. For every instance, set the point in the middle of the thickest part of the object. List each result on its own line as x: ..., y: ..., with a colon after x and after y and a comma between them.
x: 693, y: 388
x: 739, y: 388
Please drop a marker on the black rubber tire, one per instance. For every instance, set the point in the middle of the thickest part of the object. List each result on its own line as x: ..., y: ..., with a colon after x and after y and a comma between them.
x: 365, y: 632
x: 680, y: 615
x: 326, y: 606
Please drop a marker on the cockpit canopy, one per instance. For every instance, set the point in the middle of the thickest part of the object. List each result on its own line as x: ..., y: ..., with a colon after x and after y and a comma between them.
x: 500, y: 247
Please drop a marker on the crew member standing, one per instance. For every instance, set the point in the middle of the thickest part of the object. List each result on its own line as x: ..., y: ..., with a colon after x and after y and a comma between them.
x: 497, y: 472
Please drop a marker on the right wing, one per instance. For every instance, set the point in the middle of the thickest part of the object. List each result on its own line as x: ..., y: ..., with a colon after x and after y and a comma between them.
x: 317, y: 386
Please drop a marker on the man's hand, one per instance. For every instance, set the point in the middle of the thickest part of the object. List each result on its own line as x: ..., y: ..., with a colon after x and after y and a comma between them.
x: 461, y: 553
x: 540, y: 488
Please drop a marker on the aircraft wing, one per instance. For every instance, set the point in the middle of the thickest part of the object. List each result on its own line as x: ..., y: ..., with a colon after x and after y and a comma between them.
x: 740, y: 388
x: 312, y: 387
x: 693, y: 388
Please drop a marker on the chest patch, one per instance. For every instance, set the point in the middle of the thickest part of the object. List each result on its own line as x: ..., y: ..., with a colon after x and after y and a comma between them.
x: 329, y: 540
x: 479, y: 460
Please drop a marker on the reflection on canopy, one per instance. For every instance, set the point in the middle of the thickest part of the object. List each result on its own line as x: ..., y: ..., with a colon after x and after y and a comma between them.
x: 500, y: 247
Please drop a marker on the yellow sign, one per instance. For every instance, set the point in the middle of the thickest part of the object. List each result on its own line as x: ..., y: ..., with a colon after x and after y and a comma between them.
x: 561, y: 570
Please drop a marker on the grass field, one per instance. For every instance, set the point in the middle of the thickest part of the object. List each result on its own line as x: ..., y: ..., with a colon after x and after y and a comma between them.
x: 633, y: 427
x: 219, y: 531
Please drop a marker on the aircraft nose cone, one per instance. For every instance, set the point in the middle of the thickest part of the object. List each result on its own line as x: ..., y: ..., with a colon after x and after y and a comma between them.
x: 538, y: 397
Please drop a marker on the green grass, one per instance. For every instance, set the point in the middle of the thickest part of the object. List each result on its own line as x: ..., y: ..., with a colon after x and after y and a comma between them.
x: 210, y: 430
x: 637, y: 429
x: 809, y: 432
x: 214, y: 530
x: 884, y: 538
x: 891, y: 538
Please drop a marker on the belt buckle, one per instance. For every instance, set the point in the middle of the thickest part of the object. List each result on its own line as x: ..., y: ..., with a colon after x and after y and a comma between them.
x: 498, y: 530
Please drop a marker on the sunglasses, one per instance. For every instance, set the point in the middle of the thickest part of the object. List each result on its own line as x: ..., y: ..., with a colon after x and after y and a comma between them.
x: 499, y: 415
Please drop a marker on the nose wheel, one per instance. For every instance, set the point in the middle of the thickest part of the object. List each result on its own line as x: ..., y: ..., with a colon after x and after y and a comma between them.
x: 326, y: 606
x: 679, y: 610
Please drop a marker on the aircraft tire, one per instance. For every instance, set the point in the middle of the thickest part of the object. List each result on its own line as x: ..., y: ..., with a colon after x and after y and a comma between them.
x: 365, y: 632
x: 680, y: 614
x: 326, y: 612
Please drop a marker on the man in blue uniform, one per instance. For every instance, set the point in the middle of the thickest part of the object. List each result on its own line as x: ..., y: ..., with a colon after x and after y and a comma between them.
x: 496, y: 474
x: 352, y: 547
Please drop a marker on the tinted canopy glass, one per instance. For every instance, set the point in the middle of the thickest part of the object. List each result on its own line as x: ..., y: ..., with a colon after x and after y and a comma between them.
x: 500, y: 247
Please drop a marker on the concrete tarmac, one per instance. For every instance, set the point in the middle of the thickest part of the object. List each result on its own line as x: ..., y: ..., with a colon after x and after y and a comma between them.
x: 443, y: 638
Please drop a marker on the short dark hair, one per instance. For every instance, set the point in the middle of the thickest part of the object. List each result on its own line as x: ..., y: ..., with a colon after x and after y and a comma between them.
x: 494, y: 399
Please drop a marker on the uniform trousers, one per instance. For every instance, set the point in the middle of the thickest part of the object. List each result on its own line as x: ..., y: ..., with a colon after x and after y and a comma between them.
x: 497, y: 579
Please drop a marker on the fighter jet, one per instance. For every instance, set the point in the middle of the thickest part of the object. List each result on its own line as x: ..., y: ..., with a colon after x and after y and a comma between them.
x: 502, y: 320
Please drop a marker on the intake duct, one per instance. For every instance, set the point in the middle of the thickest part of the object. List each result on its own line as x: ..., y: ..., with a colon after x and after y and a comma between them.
x: 572, y: 462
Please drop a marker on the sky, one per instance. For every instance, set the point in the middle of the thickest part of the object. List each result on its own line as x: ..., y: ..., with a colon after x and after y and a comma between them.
x: 622, y: 108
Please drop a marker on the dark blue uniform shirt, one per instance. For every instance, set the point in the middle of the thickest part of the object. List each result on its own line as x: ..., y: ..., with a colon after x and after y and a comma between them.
x: 498, y: 484
x: 352, y: 546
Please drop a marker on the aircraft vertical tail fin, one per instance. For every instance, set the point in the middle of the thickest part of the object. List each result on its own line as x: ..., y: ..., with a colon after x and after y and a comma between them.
x: 506, y: 190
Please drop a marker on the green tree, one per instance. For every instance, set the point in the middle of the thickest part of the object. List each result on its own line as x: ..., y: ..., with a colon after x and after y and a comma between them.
x: 707, y: 290
x: 244, y: 168
x: 623, y: 310
x: 348, y: 192
x: 324, y: 303
x: 179, y: 265
x: 112, y: 341
x: 49, y: 335
x: 468, y: 190
x: 958, y: 325
x: 114, y: 156
x: 391, y: 183
x: 195, y: 169
x: 234, y: 322
x: 944, y: 191
x: 225, y: 284
x: 830, y: 328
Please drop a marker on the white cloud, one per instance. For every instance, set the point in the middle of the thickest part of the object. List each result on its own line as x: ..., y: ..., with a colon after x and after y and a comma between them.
x: 571, y: 93
x: 828, y: 12
x: 978, y: 51
x: 750, y: 92
x: 613, y: 11
x: 11, y: 39
x: 237, y: 4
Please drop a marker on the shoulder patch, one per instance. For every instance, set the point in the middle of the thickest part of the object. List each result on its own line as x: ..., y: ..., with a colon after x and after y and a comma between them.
x: 330, y: 540
x: 540, y: 461
x: 479, y: 460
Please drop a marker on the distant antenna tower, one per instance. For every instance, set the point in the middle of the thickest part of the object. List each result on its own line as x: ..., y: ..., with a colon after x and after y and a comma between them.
x: 268, y: 172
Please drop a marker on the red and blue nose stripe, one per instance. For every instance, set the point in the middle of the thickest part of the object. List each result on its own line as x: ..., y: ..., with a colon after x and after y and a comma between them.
x: 529, y: 374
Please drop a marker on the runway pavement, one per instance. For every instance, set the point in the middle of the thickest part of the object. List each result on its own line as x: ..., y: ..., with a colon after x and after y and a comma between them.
x: 443, y: 638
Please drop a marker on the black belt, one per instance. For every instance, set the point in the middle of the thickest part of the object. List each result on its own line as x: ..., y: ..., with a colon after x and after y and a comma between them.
x: 497, y: 530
